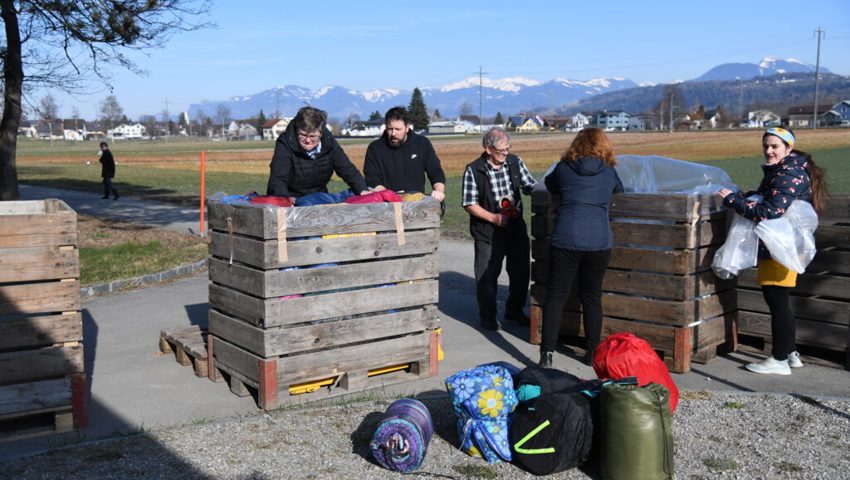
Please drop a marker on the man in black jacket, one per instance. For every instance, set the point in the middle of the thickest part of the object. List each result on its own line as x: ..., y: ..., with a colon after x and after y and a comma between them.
x: 492, y: 185
x: 306, y: 155
x: 401, y: 159
x: 107, y: 171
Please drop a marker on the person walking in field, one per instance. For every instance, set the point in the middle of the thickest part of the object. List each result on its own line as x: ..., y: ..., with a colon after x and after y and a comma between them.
x: 401, y: 159
x: 107, y: 171
x: 491, y: 195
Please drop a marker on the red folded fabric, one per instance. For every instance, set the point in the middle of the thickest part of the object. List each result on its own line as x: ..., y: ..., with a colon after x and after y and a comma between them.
x: 272, y: 200
x: 375, y: 197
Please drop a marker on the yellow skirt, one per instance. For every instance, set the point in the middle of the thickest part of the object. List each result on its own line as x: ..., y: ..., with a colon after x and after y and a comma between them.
x: 772, y: 272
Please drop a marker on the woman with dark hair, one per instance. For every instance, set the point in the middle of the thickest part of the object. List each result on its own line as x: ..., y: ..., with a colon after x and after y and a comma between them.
x: 581, y: 241
x: 306, y: 155
x: 789, y: 175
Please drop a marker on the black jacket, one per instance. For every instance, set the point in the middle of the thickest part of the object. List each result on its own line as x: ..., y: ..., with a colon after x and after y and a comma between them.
x: 295, y: 174
x: 107, y: 169
x: 402, y: 168
x: 482, y: 230
x: 585, y: 187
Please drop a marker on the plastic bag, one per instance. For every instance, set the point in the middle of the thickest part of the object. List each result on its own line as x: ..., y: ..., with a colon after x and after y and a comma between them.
x: 656, y: 174
x: 739, y: 251
x: 790, y: 238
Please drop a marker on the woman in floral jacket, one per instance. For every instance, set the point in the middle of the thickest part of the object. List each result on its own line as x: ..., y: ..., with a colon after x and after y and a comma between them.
x: 789, y: 175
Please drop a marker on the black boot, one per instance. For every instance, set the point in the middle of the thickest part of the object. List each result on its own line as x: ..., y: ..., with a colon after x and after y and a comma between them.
x: 545, y: 360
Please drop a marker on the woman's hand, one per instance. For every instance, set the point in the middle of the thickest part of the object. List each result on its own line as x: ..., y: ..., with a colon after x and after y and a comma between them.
x: 723, y: 192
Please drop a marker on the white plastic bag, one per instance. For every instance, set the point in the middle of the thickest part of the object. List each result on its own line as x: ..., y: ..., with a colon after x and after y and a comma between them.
x: 790, y: 238
x: 739, y: 252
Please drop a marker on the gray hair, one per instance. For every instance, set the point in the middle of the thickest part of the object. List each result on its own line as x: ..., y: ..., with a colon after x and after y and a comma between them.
x: 492, y: 137
x: 309, y: 119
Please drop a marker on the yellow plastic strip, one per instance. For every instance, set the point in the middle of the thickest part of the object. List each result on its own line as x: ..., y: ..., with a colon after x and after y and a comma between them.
x: 282, y: 255
x: 399, y: 223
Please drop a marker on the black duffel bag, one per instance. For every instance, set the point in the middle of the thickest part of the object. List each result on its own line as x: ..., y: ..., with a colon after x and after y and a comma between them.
x: 552, y: 433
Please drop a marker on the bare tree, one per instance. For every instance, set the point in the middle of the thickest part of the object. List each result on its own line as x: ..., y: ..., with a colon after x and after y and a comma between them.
x: 67, y: 45
x: 465, y: 108
x: 110, y: 110
x: 222, y: 116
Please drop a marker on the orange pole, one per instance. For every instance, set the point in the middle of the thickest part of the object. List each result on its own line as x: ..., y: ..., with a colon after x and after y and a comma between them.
x: 203, y: 182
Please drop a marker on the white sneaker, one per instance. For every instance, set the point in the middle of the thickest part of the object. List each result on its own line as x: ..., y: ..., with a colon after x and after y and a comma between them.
x: 794, y: 360
x: 770, y: 365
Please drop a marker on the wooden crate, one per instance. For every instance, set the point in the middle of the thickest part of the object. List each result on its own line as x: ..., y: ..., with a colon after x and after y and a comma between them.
x: 42, y: 374
x: 821, y: 300
x: 338, y: 298
x: 659, y: 283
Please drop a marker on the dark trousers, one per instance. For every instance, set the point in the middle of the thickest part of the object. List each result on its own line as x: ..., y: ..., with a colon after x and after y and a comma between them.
x: 509, y: 243
x: 108, y: 188
x: 564, y: 266
x: 783, y: 328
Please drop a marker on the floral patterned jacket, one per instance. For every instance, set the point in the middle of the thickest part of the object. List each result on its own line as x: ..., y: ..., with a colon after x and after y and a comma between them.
x: 783, y: 182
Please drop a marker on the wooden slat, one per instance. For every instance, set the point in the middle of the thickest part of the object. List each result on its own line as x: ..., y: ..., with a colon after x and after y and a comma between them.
x: 285, y: 341
x: 28, y: 264
x: 836, y: 287
x: 673, y: 287
x: 817, y: 334
x: 18, y: 332
x: 667, y: 235
x: 274, y: 283
x: 258, y: 221
x: 46, y: 297
x: 677, y: 313
x: 819, y: 310
x: 832, y: 261
x: 37, y: 223
x: 274, y: 312
x: 42, y: 363
x: 264, y: 254
x: 833, y: 235
x: 35, y: 396
x: 679, y: 207
x: 837, y: 208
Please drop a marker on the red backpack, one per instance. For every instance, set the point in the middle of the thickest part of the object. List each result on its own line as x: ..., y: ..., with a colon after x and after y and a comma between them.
x: 627, y: 355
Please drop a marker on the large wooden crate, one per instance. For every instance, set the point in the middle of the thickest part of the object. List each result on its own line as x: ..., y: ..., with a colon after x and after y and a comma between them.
x: 821, y: 300
x: 312, y: 302
x: 42, y: 377
x: 659, y: 283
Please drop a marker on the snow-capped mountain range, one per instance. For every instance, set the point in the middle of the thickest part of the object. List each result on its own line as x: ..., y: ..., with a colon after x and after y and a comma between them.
x: 506, y: 95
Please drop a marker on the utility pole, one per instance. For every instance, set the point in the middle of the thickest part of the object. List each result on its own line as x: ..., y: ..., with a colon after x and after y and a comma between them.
x: 167, y: 115
x: 481, y: 74
x: 277, y: 103
x: 819, y: 33
x: 671, y: 112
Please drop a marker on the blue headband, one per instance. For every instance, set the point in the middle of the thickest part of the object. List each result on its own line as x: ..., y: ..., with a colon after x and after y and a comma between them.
x: 785, y: 135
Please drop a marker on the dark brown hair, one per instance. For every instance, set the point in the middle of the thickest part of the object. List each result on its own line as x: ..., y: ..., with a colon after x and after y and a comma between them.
x: 817, y: 182
x: 591, y: 142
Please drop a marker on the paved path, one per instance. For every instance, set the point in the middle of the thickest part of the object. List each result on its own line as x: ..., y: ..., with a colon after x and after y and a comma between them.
x: 133, y: 388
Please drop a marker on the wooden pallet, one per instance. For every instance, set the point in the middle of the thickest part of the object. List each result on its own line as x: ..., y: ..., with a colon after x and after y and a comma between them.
x: 312, y: 376
x: 189, y: 346
x: 46, y: 406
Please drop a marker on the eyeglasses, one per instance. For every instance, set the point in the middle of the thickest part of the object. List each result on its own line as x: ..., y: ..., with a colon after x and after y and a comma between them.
x: 311, y: 136
x: 501, y: 151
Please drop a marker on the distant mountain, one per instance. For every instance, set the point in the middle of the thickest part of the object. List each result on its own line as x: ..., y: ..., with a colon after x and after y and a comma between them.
x: 775, y: 93
x: 507, y: 95
x: 768, y: 67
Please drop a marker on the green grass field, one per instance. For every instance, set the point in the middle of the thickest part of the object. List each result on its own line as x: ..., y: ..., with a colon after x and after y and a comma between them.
x: 182, y: 185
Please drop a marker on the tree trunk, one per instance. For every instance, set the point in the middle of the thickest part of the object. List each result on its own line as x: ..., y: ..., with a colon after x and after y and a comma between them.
x: 13, y: 77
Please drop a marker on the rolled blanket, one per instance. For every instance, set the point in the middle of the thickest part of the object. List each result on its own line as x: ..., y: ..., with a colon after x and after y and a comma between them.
x: 401, y: 438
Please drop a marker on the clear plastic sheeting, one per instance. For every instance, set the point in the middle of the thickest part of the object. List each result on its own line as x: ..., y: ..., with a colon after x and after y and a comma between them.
x: 739, y: 252
x: 791, y: 237
x: 656, y: 174
x: 790, y: 240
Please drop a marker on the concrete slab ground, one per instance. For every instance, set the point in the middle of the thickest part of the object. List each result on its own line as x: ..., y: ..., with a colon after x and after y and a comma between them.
x: 133, y: 388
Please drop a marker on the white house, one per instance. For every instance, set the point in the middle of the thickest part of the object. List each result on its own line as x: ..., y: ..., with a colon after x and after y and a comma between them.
x: 242, y: 131
x: 369, y: 128
x: 450, y: 126
x: 578, y: 121
x: 127, y: 132
x: 274, y: 127
x: 762, y: 119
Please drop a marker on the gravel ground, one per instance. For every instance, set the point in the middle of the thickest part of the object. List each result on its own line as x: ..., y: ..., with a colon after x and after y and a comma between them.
x: 716, y: 435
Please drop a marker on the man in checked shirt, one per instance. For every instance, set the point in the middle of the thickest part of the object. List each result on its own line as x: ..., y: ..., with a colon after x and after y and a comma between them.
x: 489, y: 183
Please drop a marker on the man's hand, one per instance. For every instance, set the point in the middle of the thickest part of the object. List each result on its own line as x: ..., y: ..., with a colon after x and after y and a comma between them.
x: 438, y: 195
x: 500, y: 220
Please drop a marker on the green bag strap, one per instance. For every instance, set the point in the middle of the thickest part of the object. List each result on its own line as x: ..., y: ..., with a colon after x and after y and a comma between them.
x: 533, y: 451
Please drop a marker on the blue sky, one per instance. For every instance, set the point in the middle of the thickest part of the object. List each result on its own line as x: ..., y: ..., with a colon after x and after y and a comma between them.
x: 258, y: 45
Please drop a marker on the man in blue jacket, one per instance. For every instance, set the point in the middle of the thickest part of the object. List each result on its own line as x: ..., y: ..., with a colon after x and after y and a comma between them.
x: 401, y: 159
x: 500, y: 233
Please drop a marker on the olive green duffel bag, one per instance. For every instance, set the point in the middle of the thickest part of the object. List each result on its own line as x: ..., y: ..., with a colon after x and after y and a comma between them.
x: 636, y: 435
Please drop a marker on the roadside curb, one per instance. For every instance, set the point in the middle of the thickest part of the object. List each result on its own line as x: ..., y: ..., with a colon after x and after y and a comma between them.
x: 159, y: 277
